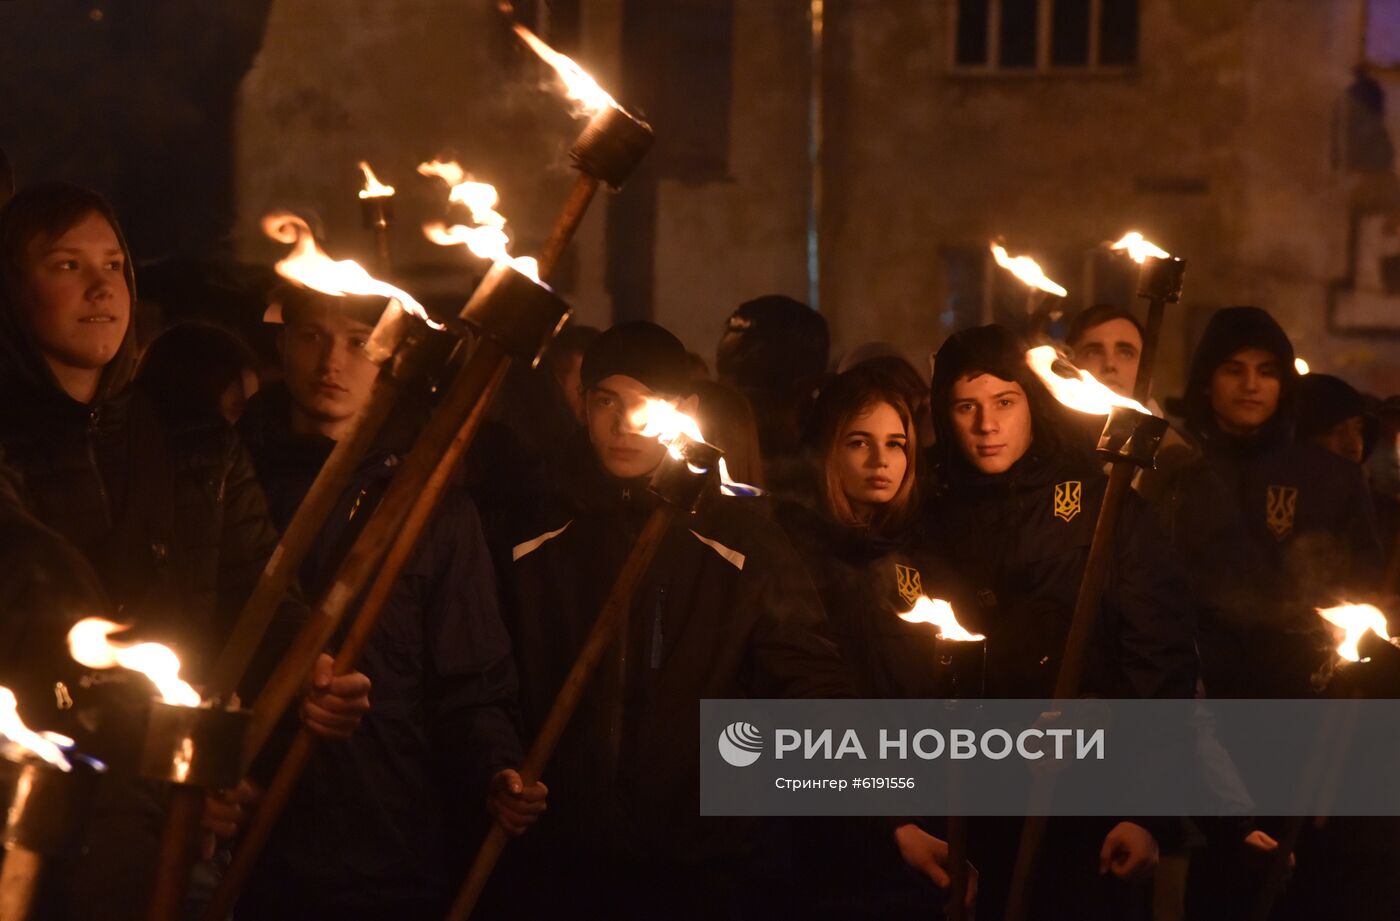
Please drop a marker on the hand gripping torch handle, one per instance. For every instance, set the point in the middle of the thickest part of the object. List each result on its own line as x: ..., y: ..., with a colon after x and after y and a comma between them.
x: 605, y: 628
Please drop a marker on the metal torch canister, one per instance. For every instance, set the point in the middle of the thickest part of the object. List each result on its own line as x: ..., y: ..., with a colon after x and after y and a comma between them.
x: 519, y: 313
x: 611, y: 145
x: 1160, y: 279
x: 195, y: 746
x: 962, y: 667
x: 1132, y: 436
x: 46, y: 807
x: 685, y: 471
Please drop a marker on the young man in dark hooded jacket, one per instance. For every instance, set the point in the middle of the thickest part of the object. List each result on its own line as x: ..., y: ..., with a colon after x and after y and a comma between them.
x: 1015, y: 515
x: 1270, y: 528
x: 170, y: 517
x: 369, y: 832
x: 725, y: 611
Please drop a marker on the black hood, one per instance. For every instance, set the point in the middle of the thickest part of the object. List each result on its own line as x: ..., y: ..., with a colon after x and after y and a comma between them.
x: 1230, y: 330
x: 24, y: 373
x: 1325, y: 401
x: 1061, y: 439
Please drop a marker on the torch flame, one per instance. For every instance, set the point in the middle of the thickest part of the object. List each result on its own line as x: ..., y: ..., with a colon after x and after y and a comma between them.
x: 1354, y: 622
x: 488, y: 239
x: 1080, y: 392
x: 578, y: 84
x: 1301, y: 366
x: 89, y: 645
x: 1140, y: 249
x: 373, y: 187
x: 13, y: 729
x: 309, y: 266
x: 1027, y: 270
x: 662, y: 420
x: 939, y: 614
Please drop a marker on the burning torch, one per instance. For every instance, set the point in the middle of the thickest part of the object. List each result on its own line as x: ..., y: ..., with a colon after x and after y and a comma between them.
x: 377, y: 210
x: 962, y: 660
x: 607, y: 150
x: 1159, y: 283
x: 393, y: 346
x: 1130, y: 438
x: 1038, y: 285
x: 191, y: 743
x: 682, y: 480
x: 1362, y: 640
x: 45, y: 788
x: 516, y: 317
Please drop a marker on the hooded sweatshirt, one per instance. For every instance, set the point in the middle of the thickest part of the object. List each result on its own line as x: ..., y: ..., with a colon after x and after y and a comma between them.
x: 173, y: 523
x: 1270, y: 528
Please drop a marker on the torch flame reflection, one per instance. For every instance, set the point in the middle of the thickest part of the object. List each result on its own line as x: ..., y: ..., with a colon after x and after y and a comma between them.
x: 373, y: 187
x: 1080, y: 392
x: 488, y: 239
x: 1140, y: 249
x: 578, y: 84
x: 939, y: 614
x: 89, y: 645
x: 1355, y: 621
x: 309, y: 266
x: 662, y: 420
x: 1027, y: 270
x: 12, y: 728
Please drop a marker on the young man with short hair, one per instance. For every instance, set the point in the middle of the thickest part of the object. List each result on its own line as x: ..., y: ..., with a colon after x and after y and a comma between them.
x: 1107, y: 342
x: 1270, y: 527
x: 1019, y: 499
x: 725, y: 610
x: 369, y: 832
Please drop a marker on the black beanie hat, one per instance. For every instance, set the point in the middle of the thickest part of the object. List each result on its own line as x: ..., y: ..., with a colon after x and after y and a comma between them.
x: 642, y: 351
x: 1231, y: 329
x: 773, y: 344
x: 1325, y: 401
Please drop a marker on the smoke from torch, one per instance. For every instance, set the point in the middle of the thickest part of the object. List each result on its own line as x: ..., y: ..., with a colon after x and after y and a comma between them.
x: 89, y: 645
x: 309, y: 266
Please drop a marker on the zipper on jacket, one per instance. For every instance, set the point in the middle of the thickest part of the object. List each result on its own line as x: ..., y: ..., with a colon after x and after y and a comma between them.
x: 657, y: 641
x: 93, y: 418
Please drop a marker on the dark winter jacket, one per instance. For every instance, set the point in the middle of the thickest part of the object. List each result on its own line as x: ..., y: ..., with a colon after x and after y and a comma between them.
x: 368, y: 827
x: 1022, y: 538
x: 176, y: 528
x: 725, y: 611
x: 1269, y: 529
x: 865, y: 581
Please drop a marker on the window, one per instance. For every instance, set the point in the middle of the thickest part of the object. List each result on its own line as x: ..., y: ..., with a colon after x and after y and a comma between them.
x: 1035, y: 36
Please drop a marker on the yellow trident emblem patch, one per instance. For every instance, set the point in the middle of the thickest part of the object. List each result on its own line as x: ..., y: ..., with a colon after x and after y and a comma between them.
x: 1068, y: 497
x: 1281, y: 508
x: 909, y: 582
